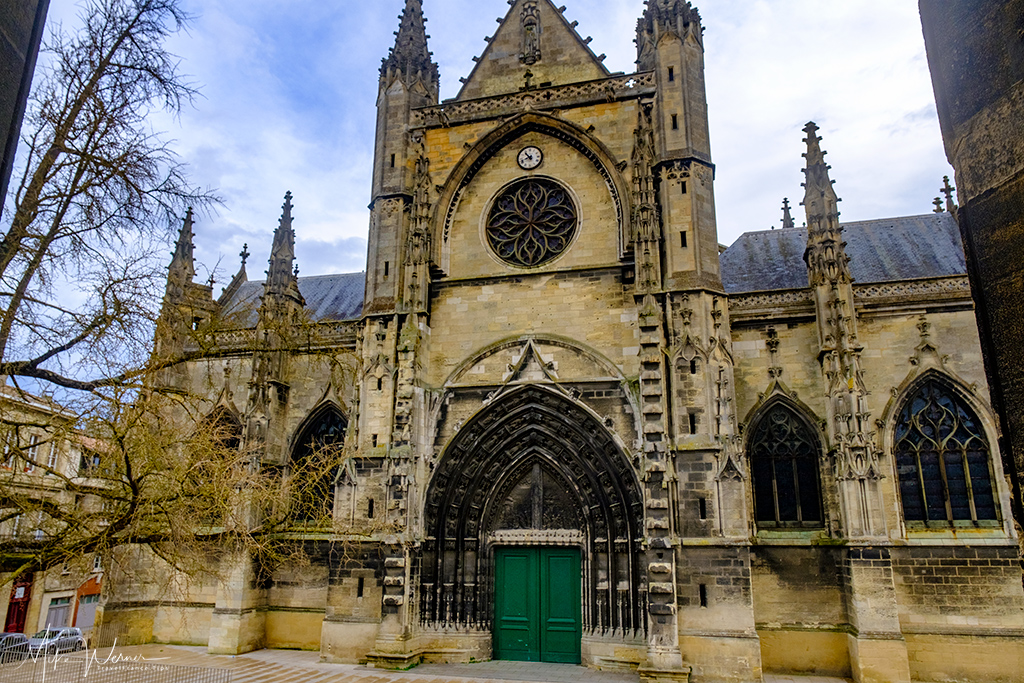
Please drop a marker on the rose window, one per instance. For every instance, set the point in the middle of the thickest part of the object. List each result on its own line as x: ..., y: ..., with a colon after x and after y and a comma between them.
x: 532, y: 222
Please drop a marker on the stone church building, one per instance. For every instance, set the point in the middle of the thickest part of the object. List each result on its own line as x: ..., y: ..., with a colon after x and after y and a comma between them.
x: 580, y: 431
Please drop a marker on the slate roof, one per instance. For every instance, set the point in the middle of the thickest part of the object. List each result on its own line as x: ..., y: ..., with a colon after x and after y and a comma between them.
x: 328, y: 297
x: 883, y: 250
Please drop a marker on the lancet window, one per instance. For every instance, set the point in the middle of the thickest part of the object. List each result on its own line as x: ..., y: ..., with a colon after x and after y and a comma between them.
x: 784, y: 454
x: 225, y: 428
x: 314, y: 467
x: 943, y: 460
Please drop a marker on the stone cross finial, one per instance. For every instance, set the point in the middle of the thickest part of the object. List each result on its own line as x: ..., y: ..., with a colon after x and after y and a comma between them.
x: 938, y: 205
x: 948, y: 190
x: 245, y: 254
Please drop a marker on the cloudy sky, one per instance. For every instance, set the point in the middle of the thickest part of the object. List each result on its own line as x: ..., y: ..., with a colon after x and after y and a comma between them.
x: 289, y: 90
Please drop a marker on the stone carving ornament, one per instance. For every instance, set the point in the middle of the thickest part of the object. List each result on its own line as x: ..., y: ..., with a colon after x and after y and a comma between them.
x: 531, y: 33
x: 531, y: 222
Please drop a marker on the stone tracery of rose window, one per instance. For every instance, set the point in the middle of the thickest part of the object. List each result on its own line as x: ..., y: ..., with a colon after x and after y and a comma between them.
x: 532, y: 222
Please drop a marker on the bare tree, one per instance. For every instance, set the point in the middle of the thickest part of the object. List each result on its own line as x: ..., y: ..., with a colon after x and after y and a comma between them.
x: 97, y: 197
x: 81, y: 273
x: 160, y: 470
x: 82, y: 268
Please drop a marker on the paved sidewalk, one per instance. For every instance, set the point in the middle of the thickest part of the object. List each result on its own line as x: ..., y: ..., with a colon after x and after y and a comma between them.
x: 290, y: 666
x: 525, y: 671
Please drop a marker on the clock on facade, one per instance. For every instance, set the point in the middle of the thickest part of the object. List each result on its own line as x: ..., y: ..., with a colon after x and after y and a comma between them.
x: 530, y: 158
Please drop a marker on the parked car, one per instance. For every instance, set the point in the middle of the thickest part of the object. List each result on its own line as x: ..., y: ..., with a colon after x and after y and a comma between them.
x: 51, y: 641
x: 13, y: 647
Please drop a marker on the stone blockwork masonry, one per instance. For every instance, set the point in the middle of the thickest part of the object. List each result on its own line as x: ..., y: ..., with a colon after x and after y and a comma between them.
x: 729, y: 456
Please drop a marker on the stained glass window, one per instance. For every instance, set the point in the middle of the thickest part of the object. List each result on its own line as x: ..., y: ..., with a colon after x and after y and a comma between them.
x: 942, y: 458
x: 531, y: 222
x: 784, y: 453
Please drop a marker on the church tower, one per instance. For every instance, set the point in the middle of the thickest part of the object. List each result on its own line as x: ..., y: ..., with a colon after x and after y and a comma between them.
x: 408, y: 79
x: 670, y: 43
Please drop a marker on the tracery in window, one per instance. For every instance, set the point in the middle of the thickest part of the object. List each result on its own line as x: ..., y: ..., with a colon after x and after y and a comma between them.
x: 784, y: 453
x: 314, y: 466
x: 531, y: 222
x: 943, y: 460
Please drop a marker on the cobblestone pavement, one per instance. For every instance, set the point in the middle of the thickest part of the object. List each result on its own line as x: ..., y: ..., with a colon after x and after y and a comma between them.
x: 289, y: 666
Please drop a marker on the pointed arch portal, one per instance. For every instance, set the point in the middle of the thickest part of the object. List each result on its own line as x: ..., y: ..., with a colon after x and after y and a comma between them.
x: 532, y: 468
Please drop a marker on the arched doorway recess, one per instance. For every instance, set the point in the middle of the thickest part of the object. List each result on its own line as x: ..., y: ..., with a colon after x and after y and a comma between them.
x: 532, y: 468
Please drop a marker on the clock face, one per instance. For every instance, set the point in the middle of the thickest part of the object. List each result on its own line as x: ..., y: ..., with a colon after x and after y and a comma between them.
x: 530, y: 158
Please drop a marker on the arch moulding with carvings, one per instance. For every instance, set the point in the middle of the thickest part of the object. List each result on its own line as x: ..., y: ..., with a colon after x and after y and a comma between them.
x: 605, y: 371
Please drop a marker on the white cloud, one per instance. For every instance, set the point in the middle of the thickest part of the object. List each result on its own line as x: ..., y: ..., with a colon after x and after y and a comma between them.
x: 290, y: 89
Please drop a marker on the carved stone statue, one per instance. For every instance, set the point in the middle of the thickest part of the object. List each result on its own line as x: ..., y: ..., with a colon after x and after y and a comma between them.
x: 531, y: 33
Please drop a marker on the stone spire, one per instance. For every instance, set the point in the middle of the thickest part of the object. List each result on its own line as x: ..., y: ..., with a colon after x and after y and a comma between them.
x: 410, y: 57
x: 819, y: 195
x: 187, y: 306
x: 183, y: 267
x: 281, y: 276
x: 825, y: 255
x: 849, y: 426
x: 787, y: 217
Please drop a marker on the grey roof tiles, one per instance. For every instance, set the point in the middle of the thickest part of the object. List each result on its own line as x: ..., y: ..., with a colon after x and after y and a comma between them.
x: 884, y: 250
x: 328, y: 297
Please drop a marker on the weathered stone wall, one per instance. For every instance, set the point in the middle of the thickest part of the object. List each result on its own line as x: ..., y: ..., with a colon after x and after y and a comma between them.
x: 800, y: 610
x: 353, y: 605
x: 954, y: 589
x: 714, y: 598
x: 591, y: 307
x: 961, y: 611
x: 976, y: 57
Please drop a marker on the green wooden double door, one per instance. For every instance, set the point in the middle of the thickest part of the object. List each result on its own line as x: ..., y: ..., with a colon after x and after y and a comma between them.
x: 537, y: 605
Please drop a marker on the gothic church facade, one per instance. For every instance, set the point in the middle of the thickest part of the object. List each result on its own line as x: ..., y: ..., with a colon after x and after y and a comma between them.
x: 581, y: 433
